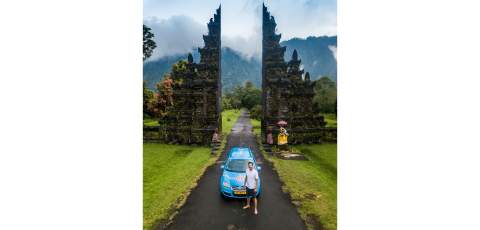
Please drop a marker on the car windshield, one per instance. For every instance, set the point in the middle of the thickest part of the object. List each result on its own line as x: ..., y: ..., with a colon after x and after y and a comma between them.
x: 237, y: 165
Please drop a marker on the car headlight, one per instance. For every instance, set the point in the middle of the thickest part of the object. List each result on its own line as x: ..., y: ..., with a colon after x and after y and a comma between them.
x: 226, y: 184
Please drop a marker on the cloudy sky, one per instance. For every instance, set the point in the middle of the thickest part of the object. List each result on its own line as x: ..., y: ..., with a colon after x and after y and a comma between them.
x: 178, y: 25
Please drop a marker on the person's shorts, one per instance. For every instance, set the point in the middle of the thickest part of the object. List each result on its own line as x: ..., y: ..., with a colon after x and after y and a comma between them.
x: 250, y: 193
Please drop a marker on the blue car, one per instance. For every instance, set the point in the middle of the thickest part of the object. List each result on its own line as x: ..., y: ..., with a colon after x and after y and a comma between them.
x: 232, y: 178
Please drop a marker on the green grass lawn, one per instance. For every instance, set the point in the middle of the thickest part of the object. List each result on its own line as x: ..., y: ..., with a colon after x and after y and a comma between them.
x: 150, y: 122
x: 331, y: 119
x: 229, y: 117
x: 312, y: 183
x: 169, y: 173
x: 256, y: 126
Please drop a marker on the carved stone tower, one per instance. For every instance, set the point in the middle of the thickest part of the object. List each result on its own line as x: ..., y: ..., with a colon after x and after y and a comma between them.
x: 286, y: 93
x: 273, y: 70
x: 196, y: 112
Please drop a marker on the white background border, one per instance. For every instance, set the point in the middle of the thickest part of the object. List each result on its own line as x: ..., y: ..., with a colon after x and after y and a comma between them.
x: 70, y: 124
x: 71, y: 110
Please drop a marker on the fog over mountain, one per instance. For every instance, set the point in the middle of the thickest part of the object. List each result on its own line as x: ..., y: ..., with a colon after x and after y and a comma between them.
x: 175, y: 36
x: 295, y: 18
x: 236, y: 68
x: 317, y: 54
x: 181, y: 34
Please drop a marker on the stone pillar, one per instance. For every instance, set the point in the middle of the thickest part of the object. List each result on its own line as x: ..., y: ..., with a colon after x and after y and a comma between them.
x: 196, y: 112
x: 286, y: 93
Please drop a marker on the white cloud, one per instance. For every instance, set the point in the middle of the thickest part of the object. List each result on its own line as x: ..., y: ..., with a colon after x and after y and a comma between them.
x: 303, y: 18
x: 175, y: 35
x: 334, y: 51
x: 295, y: 18
x: 181, y: 34
x: 248, y: 47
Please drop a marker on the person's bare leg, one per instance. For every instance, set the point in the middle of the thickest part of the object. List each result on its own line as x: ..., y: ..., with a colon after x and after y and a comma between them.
x: 255, y: 202
x: 248, y: 203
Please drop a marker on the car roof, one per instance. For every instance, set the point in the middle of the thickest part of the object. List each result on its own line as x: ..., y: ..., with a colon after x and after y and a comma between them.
x: 240, y: 153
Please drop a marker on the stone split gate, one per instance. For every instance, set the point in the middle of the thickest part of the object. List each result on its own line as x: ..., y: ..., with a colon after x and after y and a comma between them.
x: 287, y: 94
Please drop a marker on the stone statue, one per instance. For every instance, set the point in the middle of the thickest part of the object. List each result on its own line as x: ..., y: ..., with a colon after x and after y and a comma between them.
x: 216, y: 137
x: 269, y: 136
x: 282, y: 137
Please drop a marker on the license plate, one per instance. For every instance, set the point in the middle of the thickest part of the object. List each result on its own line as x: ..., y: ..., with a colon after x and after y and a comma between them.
x: 240, y: 192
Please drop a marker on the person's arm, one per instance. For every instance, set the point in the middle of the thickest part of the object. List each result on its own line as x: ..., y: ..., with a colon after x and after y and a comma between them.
x: 256, y: 181
x: 245, y: 182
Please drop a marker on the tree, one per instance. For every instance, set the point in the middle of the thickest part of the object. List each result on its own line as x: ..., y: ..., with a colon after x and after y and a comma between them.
x: 246, y: 96
x: 147, y: 97
x: 226, y: 103
x: 256, y: 112
x: 325, y: 99
x: 249, y: 85
x: 148, y: 44
x: 179, y: 67
x: 163, y: 98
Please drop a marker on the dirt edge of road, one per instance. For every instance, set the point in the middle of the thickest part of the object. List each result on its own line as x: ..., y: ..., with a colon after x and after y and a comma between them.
x: 178, y: 204
x: 309, y: 222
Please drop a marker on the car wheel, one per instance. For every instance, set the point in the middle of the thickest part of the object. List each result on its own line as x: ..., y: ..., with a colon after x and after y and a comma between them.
x: 223, y: 196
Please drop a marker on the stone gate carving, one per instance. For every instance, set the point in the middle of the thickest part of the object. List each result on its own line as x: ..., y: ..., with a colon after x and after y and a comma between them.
x: 287, y: 93
x: 196, y: 111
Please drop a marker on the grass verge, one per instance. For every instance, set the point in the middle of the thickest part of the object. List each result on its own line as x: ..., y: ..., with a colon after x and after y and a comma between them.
x: 256, y: 126
x: 229, y: 117
x: 312, y: 184
x: 150, y: 122
x: 331, y: 119
x: 170, y: 172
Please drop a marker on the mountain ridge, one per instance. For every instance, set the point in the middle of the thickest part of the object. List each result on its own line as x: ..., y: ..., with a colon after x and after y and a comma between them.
x: 315, y: 52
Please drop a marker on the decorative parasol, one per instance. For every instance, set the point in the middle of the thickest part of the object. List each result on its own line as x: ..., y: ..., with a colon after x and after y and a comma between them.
x: 282, y: 123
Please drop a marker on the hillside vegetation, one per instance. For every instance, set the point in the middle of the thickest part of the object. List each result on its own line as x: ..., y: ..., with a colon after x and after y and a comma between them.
x: 315, y: 52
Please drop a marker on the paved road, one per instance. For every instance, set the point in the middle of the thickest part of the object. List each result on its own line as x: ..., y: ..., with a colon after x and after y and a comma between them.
x: 206, y: 209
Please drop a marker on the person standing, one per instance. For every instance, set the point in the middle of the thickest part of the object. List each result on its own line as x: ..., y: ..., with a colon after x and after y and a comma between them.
x: 251, y: 184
